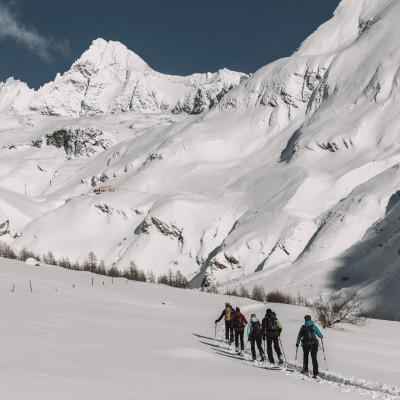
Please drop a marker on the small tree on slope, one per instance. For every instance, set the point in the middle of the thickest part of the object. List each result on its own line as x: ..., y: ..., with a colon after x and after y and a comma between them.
x: 346, y: 306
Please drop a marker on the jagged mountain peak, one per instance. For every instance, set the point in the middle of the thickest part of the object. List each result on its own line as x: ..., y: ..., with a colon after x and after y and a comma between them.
x: 14, y: 96
x: 104, y: 53
x: 110, y: 78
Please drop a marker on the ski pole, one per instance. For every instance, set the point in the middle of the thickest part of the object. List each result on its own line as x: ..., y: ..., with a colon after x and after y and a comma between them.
x: 295, y: 360
x: 244, y: 349
x: 215, y: 334
x: 323, y: 349
x: 280, y: 341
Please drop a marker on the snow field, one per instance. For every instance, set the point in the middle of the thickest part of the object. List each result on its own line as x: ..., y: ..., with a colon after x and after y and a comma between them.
x: 70, y: 340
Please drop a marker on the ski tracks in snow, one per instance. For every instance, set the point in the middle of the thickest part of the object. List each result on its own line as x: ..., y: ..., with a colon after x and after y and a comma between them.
x: 346, y: 384
x: 372, y: 389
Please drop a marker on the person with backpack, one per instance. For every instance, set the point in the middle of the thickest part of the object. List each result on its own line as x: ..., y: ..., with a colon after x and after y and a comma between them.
x: 254, y: 335
x: 271, y: 330
x: 228, y: 313
x: 239, y: 322
x: 308, y: 336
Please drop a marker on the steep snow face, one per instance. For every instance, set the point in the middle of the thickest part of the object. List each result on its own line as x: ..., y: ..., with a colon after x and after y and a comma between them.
x: 373, y: 262
x: 275, y: 185
x: 109, y: 78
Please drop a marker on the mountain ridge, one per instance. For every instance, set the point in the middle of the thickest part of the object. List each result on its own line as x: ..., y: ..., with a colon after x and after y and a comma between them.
x: 109, y: 78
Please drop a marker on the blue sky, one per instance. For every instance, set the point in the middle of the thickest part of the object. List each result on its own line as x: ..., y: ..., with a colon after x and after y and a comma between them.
x: 39, y: 38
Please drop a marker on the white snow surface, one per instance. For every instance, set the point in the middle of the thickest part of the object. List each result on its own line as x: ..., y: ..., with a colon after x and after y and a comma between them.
x: 83, y: 336
x: 289, y: 181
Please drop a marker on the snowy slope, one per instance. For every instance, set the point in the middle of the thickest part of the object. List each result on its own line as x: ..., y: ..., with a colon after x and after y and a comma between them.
x: 70, y: 340
x: 282, y: 183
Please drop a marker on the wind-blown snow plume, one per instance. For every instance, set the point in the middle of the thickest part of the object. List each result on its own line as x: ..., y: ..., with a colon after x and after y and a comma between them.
x: 34, y: 41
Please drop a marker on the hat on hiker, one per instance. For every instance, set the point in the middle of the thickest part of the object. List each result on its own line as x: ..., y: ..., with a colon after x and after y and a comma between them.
x: 307, y: 317
x: 269, y: 310
x: 253, y: 316
x: 237, y: 309
x: 227, y: 303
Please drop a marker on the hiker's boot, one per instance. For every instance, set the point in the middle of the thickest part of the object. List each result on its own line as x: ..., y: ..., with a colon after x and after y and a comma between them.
x: 304, y: 372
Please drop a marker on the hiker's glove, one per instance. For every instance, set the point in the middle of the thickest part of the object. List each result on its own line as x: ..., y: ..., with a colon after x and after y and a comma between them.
x: 216, y: 321
x: 297, y: 345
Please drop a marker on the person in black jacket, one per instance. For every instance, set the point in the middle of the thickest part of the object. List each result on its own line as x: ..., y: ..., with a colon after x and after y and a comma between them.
x: 271, y: 330
x: 228, y: 313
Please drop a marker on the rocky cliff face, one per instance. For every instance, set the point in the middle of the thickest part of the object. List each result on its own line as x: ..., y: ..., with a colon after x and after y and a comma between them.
x: 4, y: 227
x: 76, y: 142
x: 79, y: 142
x: 209, y: 94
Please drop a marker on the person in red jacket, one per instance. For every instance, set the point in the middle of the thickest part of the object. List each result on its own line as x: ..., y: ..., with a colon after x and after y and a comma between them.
x: 239, y: 322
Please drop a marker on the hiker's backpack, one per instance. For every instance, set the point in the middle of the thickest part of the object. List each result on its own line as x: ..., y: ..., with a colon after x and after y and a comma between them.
x: 255, y: 328
x: 238, y: 322
x: 228, y: 313
x: 272, y: 325
x: 272, y: 328
x: 308, y: 336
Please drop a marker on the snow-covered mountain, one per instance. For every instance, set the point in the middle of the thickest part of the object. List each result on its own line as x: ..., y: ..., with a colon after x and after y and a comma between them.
x: 15, y: 96
x: 109, y: 78
x: 284, y: 180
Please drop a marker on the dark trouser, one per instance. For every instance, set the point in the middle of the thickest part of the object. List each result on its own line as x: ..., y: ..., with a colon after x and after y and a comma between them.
x: 313, y: 349
x: 239, y: 334
x: 253, y: 341
x: 228, y: 331
x: 275, y: 340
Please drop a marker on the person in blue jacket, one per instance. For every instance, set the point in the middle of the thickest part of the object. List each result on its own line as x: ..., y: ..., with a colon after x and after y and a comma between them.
x: 308, y: 336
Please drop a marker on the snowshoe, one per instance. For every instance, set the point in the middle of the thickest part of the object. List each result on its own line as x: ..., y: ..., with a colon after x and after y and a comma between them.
x: 304, y: 372
x: 317, y: 377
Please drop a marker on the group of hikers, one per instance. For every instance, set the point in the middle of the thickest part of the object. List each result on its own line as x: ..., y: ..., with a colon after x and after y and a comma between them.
x: 269, y: 330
